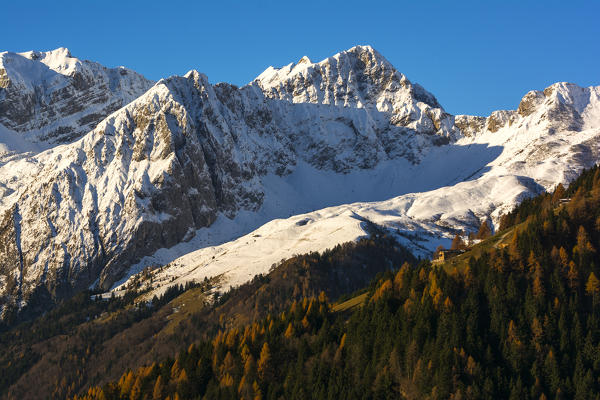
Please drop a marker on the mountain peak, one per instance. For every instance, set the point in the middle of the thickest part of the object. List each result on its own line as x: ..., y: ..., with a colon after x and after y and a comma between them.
x: 365, y: 53
x: 363, y: 49
x: 273, y: 74
x: 359, y: 77
x: 59, y: 98
x: 61, y: 52
x: 304, y: 60
x: 58, y: 60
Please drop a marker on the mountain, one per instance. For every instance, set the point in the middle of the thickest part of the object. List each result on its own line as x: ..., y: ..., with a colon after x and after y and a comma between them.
x: 192, y: 167
x: 53, y: 98
x: 359, y: 78
x: 496, y: 163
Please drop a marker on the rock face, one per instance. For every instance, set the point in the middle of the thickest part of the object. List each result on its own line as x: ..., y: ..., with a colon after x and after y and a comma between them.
x: 166, y: 164
x: 560, y: 107
x: 359, y: 78
x: 56, y: 98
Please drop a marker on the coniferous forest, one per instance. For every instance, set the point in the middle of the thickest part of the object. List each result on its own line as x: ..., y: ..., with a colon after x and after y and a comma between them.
x: 516, y: 317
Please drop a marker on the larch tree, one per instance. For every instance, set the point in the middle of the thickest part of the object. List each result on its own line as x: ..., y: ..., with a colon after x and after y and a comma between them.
x: 264, y: 362
x: 592, y: 286
x: 458, y: 243
x: 559, y: 193
x: 484, y: 231
x: 159, y: 389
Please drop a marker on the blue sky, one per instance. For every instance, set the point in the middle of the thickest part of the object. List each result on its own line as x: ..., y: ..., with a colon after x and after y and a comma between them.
x: 474, y: 56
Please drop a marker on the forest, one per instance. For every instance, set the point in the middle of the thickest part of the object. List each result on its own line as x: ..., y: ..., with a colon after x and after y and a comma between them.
x: 516, y: 317
x: 87, y: 341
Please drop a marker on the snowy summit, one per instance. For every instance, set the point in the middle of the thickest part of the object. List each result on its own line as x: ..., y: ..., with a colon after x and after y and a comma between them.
x: 104, y: 172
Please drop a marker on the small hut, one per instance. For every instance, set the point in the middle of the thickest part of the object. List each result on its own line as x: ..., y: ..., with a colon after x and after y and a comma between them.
x: 445, y: 254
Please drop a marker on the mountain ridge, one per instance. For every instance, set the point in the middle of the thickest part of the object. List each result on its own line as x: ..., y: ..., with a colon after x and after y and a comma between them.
x: 56, y: 98
x: 185, y: 153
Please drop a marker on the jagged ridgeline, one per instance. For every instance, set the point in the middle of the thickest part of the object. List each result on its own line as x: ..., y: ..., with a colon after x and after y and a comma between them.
x: 101, y: 169
x: 174, y: 156
x: 516, y: 317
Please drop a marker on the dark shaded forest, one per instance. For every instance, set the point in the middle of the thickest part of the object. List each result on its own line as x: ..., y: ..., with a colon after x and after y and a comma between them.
x: 85, y: 341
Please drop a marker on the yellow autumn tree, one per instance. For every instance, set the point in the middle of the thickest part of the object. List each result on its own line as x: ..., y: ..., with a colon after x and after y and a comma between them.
x: 458, y: 243
x: 175, y: 370
x: 342, y: 342
x: 448, y: 304
x: 584, y: 247
x: 264, y: 362
x: 399, y: 278
x: 538, y: 285
x: 228, y: 364
x: 564, y: 257
x: 385, y: 287
x: 484, y: 231
x: 513, y: 334
x: 245, y: 389
x: 289, y: 332
x: 322, y: 297
x: 257, y: 391
x: 226, y: 381
x: 136, y: 390
x: 126, y: 383
x: 573, y: 275
x: 559, y: 193
x: 249, y: 365
x: 592, y: 286
x: 159, y: 389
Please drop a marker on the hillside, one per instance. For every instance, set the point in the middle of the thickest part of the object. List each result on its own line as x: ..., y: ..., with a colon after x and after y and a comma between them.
x: 517, y: 322
x: 101, y: 338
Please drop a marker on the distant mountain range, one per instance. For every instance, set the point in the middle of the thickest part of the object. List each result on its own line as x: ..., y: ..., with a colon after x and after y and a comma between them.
x: 104, y: 173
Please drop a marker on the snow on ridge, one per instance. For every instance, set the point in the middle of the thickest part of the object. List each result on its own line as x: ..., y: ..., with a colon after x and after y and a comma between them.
x: 51, y: 97
x: 359, y: 78
x: 421, y: 221
x: 463, y: 192
x: 58, y: 60
x: 187, y: 156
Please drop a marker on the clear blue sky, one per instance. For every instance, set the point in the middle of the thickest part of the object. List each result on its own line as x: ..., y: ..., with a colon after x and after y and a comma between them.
x: 474, y: 56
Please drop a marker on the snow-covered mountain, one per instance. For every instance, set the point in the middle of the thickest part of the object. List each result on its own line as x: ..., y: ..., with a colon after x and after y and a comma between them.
x: 188, y: 166
x: 498, y: 161
x: 51, y: 97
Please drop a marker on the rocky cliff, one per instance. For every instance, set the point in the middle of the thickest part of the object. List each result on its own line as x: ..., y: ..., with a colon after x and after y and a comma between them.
x: 185, y: 151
